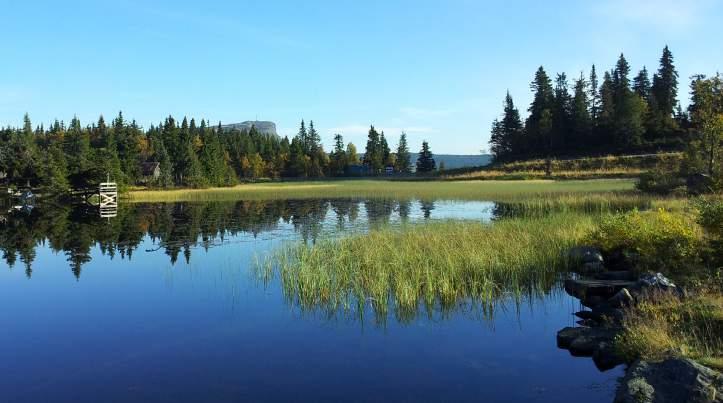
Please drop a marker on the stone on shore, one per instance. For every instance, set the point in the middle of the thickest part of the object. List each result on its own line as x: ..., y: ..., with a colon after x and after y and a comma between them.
x: 670, y: 381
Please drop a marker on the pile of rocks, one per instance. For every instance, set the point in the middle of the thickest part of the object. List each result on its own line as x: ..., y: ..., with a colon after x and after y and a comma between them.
x: 606, y: 288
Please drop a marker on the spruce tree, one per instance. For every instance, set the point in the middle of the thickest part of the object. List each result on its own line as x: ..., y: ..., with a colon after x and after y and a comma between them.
x: 581, y: 122
x: 373, y: 152
x: 425, y: 160
x: 542, y: 104
x: 594, y: 97
x: 561, y: 116
x: 403, y: 163
x: 641, y: 84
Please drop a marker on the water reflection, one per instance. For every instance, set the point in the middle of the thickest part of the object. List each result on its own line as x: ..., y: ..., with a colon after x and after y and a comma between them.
x: 177, y: 228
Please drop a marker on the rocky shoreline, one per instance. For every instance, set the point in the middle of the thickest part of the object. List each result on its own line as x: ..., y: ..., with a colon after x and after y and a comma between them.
x: 606, y: 288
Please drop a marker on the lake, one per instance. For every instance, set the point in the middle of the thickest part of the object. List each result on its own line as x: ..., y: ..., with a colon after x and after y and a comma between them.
x: 165, y: 302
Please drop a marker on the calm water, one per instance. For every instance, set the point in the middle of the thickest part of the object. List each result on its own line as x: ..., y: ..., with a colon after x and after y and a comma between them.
x: 162, y: 303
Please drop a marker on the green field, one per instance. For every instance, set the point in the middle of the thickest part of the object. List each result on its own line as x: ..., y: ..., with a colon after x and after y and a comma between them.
x: 451, y: 190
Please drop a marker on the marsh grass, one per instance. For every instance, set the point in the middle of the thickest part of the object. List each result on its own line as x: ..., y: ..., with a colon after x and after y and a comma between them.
x: 429, y: 267
x: 692, y: 328
x: 450, y: 190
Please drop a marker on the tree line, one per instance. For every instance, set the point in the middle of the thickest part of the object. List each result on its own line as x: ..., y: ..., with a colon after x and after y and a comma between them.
x: 589, y: 116
x: 187, y: 154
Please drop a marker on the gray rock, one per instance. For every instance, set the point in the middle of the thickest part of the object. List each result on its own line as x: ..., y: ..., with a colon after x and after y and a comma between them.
x: 670, y: 381
x: 651, y: 285
x: 584, y: 341
x: 621, y: 299
x: 585, y: 254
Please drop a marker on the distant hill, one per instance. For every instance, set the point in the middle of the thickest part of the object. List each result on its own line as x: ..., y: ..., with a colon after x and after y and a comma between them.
x: 262, y: 126
x: 452, y: 161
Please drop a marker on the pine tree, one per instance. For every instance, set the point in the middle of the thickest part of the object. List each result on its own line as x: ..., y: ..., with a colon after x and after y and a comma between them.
x: 384, y: 150
x: 403, y: 162
x: 506, y: 140
x: 338, y: 156
x: 641, y: 84
x: 630, y: 109
x: 303, y: 137
x: 425, y: 160
x: 313, y: 144
x: 561, y: 116
x: 373, y: 152
x: 581, y: 122
x: 665, y: 84
x: 542, y: 104
x: 594, y: 97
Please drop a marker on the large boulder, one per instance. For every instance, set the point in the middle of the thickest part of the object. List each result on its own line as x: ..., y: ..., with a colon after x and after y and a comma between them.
x: 652, y: 285
x: 585, y: 254
x: 670, y: 381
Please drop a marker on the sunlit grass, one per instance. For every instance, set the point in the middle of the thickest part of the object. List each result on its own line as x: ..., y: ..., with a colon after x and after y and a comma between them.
x: 431, y: 266
x: 451, y: 190
x: 691, y: 328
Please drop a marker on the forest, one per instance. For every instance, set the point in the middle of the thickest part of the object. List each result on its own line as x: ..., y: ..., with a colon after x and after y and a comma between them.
x: 188, y: 154
x: 613, y: 116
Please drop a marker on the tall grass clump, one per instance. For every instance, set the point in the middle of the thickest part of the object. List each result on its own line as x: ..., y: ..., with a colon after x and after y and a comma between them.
x: 666, y: 326
x: 433, y: 265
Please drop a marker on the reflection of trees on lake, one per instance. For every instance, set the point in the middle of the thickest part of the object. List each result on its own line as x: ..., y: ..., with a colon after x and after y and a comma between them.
x: 427, y: 207
x: 175, y: 228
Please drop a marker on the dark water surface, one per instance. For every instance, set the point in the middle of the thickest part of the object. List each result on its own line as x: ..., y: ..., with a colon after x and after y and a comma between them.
x: 162, y: 303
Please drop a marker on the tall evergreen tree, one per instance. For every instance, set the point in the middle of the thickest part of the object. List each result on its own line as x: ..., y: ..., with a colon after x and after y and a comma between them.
x: 665, y: 84
x: 373, y: 153
x: 581, y: 121
x: 403, y: 163
x: 641, y: 84
x: 537, y: 130
x: 506, y: 140
x: 594, y: 97
x: 425, y: 160
x: 561, y: 116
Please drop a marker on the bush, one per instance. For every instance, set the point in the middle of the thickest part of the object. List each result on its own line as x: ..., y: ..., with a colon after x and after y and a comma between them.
x: 660, y: 239
x: 710, y: 215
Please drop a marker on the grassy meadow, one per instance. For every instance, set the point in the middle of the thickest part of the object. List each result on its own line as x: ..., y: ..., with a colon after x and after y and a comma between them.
x: 451, y: 190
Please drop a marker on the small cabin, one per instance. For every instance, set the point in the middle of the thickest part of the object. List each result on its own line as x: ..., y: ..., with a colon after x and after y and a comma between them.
x: 150, y: 171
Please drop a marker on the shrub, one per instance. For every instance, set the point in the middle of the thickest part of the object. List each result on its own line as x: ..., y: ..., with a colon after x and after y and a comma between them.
x: 660, y: 239
x: 710, y: 215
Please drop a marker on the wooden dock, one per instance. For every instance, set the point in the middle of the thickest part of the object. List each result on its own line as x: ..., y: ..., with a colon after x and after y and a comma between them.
x: 108, y: 203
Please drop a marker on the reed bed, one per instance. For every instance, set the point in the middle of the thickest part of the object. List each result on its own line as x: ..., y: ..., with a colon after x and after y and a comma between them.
x: 450, y: 190
x: 432, y: 266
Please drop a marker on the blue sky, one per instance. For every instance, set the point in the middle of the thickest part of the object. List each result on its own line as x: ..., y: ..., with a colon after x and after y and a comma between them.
x: 437, y: 69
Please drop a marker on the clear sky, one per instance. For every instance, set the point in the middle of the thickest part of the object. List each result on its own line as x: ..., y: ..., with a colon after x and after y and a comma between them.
x: 437, y: 69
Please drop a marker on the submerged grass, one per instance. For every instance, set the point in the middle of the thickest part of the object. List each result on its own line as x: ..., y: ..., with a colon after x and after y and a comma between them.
x: 431, y: 266
x: 451, y: 190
